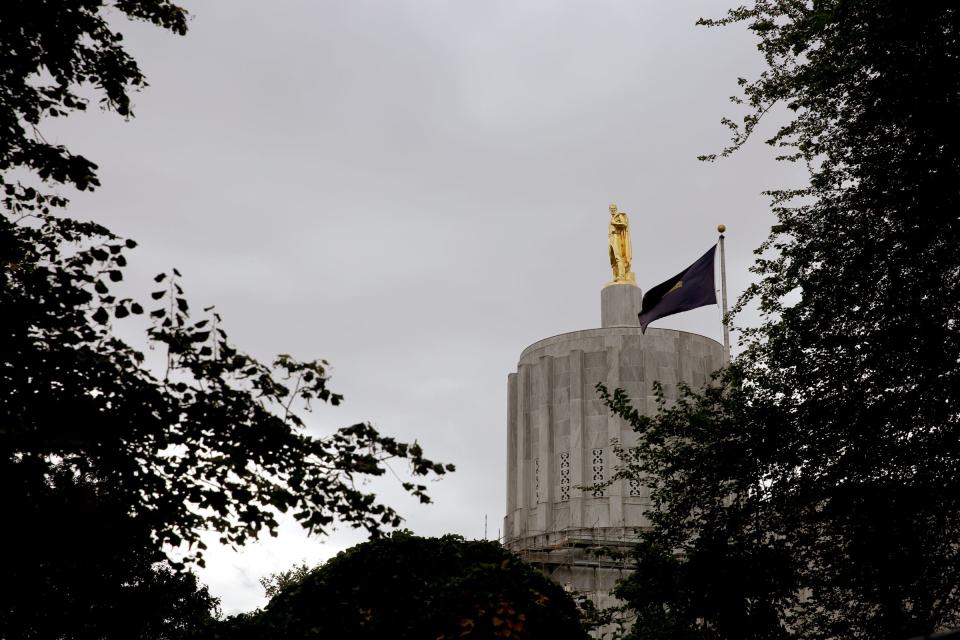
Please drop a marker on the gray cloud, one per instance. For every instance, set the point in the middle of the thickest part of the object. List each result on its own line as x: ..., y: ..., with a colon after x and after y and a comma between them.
x: 416, y: 191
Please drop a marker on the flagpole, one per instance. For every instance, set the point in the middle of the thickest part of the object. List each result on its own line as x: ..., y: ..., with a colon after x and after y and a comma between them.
x: 723, y: 293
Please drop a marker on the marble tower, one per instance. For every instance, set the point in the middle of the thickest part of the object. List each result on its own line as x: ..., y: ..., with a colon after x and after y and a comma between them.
x: 559, y: 437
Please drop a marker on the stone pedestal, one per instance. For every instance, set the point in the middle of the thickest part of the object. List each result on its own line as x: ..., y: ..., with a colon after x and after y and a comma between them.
x: 620, y: 305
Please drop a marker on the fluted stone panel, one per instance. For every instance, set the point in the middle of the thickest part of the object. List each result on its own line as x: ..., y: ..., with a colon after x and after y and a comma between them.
x: 559, y: 433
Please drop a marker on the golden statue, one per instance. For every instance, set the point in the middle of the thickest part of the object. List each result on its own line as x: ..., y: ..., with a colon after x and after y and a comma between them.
x: 621, y: 253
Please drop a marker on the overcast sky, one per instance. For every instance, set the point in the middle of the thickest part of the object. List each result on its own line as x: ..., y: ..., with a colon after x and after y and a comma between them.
x: 416, y: 190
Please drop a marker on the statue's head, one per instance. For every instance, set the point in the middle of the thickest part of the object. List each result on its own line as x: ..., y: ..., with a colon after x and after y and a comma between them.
x: 613, y: 209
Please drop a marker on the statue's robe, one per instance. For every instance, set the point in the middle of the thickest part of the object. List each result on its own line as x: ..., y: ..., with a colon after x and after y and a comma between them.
x: 621, y: 253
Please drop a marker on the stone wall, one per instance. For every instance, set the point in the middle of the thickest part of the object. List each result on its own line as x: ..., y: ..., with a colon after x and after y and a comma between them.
x: 559, y: 433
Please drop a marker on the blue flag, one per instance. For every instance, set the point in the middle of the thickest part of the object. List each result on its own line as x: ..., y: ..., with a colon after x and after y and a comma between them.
x: 687, y: 290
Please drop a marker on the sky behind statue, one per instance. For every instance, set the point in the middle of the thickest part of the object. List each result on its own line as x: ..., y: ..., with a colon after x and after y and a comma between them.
x: 416, y: 191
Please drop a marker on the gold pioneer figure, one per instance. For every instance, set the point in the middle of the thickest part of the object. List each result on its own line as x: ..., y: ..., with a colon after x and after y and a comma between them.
x: 621, y: 253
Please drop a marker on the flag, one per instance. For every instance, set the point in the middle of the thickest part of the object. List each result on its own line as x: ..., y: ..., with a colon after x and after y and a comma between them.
x: 687, y: 290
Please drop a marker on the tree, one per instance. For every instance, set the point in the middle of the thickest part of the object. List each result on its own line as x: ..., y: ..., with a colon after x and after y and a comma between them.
x: 76, y: 566
x: 814, y: 492
x: 216, y: 439
x: 407, y: 587
x: 277, y: 582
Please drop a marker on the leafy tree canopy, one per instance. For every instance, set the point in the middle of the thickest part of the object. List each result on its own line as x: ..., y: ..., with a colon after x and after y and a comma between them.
x: 76, y: 566
x: 215, y: 439
x: 407, y: 587
x: 814, y: 493
x: 53, y: 49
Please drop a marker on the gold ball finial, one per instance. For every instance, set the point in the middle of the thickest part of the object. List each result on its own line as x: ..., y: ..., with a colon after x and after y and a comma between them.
x: 721, y: 228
